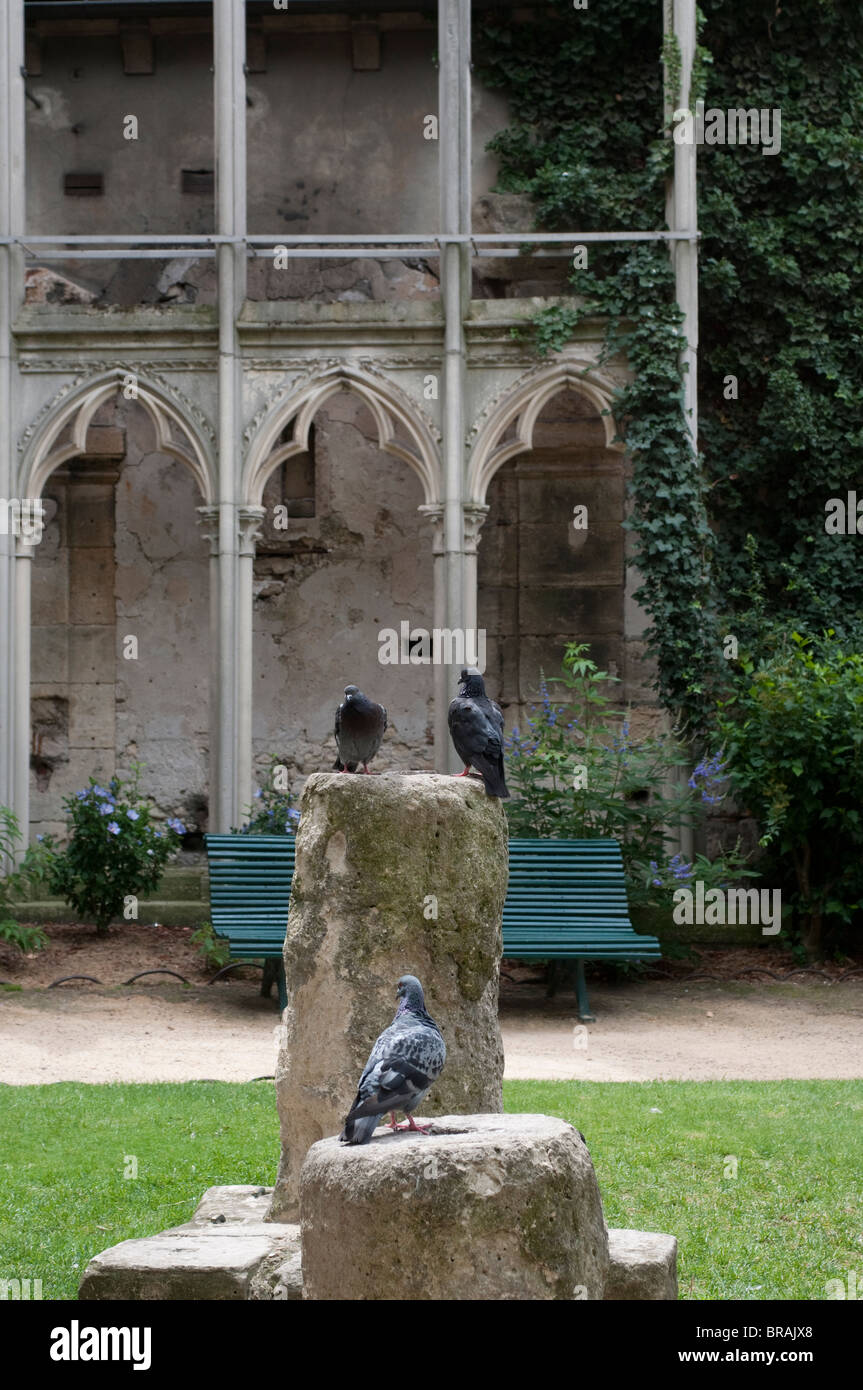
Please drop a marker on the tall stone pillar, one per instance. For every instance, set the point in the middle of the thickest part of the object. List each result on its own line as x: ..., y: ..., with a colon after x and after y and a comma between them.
x: 250, y: 522
x: 395, y: 874
x: 435, y: 515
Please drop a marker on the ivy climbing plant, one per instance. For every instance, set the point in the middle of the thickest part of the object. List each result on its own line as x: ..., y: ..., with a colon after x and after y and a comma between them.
x: 781, y: 385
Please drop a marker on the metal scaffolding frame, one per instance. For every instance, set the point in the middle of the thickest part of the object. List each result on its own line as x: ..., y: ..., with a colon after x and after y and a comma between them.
x: 455, y: 245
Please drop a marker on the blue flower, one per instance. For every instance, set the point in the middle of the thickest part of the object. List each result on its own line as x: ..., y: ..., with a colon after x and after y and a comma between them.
x: 107, y: 808
x: 133, y: 815
x: 173, y: 823
x: 40, y: 838
x: 258, y: 793
x: 293, y: 815
x: 99, y: 791
x: 113, y: 828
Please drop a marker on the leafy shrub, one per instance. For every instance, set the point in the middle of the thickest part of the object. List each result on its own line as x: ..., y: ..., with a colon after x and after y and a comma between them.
x: 794, y: 738
x: 275, y: 813
x: 16, y: 882
x: 215, y: 949
x: 579, y: 774
x: 25, y: 938
x: 115, y: 851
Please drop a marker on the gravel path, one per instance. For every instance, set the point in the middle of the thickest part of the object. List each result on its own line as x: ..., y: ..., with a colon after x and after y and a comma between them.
x: 646, y: 1030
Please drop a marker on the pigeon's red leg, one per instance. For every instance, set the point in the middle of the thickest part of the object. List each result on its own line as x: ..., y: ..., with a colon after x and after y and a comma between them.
x: 466, y: 772
x: 366, y: 769
x: 418, y: 1129
x: 343, y: 769
x: 393, y: 1125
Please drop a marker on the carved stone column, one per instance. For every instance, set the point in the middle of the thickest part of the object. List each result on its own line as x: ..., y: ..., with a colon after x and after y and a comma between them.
x: 249, y: 522
x: 443, y: 754
x: 208, y: 520
x: 475, y: 514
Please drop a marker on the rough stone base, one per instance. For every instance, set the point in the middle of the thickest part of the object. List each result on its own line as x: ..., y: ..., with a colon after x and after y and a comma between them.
x: 226, y: 1251
x: 642, y: 1266
x: 489, y: 1207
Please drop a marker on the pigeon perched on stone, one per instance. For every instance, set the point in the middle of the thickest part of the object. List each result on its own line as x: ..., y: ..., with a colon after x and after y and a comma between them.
x: 476, y: 725
x: 403, y: 1066
x: 360, y: 725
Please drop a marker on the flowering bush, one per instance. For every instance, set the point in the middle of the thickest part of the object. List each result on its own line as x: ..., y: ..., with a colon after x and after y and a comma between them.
x: 115, y: 850
x: 577, y: 773
x: 275, y: 813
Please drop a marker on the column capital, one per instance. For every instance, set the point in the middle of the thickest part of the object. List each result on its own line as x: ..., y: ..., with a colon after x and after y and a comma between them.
x: 475, y: 514
x: 434, y: 512
x: 208, y: 520
x: 249, y: 523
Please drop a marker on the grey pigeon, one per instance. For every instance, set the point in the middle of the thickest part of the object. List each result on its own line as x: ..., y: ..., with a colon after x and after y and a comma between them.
x: 403, y: 1065
x: 360, y: 725
x: 476, y: 725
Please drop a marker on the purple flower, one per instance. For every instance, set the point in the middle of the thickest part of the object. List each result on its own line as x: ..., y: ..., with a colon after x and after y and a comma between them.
x: 113, y: 828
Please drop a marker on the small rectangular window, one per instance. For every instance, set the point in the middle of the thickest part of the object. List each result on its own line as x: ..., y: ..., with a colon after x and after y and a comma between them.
x: 199, y: 181
x: 83, y: 185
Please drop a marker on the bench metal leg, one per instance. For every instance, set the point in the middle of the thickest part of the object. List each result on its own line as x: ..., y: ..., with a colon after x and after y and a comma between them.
x: 283, y: 988
x: 584, y: 1014
x: 270, y: 976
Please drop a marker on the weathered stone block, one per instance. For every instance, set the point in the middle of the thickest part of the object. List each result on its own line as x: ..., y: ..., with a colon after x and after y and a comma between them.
x: 484, y: 1207
x: 224, y: 1252
x: 91, y: 716
x: 394, y: 874
x: 91, y: 586
x: 642, y: 1266
x: 185, y: 1263
x: 49, y: 655
x: 91, y: 654
x: 91, y: 511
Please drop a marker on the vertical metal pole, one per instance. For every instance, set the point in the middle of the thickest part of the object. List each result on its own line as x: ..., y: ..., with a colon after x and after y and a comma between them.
x: 14, y: 710
x: 684, y: 217
x: 229, y: 50
x: 454, y: 172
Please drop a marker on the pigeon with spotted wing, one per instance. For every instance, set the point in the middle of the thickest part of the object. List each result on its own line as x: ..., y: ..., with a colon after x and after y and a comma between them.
x: 476, y: 726
x: 403, y: 1066
x: 360, y: 725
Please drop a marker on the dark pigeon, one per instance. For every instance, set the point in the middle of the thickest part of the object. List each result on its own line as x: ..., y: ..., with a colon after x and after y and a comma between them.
x: 476, y: 725
x: 403, y: 1065
x: 360, y: 725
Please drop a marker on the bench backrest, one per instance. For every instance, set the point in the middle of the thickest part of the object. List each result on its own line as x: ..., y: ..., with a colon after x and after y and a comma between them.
x: 565, y: 882
x: 250, y: 879
x: 551, y: 882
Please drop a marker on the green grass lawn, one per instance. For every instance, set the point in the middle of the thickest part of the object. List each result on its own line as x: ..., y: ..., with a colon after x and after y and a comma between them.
x: 788, y: 1221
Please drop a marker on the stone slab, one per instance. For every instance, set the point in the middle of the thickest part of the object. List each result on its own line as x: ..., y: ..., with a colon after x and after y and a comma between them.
x: 642, y: 1266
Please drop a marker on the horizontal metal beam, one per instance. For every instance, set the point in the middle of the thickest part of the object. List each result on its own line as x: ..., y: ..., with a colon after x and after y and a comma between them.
x: 399, y: 239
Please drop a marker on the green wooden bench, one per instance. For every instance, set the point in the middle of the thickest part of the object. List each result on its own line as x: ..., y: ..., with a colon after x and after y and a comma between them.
x: 566, y: 900
x: 250, y: 890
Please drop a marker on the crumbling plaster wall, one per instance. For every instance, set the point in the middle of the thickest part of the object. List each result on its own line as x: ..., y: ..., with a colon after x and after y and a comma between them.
x: 127, y: 559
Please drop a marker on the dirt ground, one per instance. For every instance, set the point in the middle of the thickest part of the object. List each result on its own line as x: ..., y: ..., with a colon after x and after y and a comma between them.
x: 738, y: 1026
